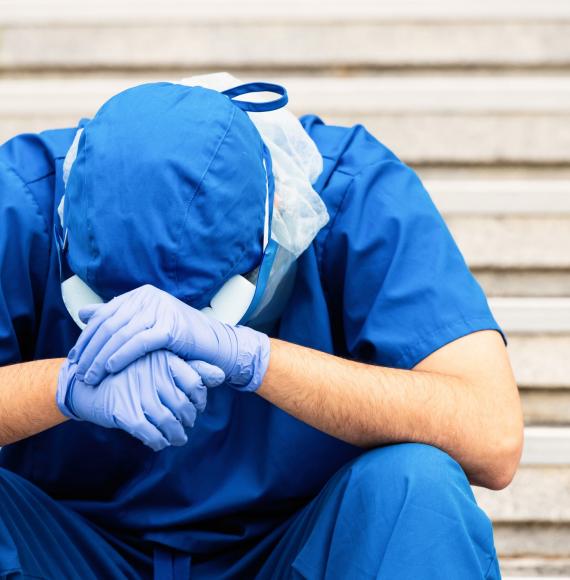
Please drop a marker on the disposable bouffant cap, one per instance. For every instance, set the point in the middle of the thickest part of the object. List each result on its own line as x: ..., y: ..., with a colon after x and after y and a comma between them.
x: 168, y: 188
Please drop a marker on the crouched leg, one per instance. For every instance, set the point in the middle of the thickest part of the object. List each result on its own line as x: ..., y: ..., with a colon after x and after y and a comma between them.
x: 41, y: 538
x: 401, y: 511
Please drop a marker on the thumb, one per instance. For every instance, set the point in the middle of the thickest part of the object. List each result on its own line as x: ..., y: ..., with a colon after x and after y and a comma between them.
x: 87, y: 312
x: 211, y: 376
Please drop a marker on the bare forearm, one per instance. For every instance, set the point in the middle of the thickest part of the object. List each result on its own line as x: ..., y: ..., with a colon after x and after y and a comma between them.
x: 27, y: 399
x: 364, y: 405
x: 369, y: 405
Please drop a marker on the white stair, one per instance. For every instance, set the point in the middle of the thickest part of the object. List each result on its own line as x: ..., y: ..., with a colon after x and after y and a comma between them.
x: 305, y: 34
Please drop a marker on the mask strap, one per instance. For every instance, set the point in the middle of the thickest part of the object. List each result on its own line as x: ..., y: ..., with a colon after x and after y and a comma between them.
x: 258, y: 88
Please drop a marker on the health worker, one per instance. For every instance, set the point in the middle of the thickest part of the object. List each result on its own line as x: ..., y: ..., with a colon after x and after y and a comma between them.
x: 235, y: 344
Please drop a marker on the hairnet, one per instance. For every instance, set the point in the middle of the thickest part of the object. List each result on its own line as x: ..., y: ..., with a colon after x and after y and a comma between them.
x: 299, y: 212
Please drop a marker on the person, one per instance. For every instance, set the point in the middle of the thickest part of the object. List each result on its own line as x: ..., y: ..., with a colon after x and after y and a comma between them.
x: 287, y: 369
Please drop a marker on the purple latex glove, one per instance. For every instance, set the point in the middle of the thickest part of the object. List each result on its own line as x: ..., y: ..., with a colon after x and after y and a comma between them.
x: 153, y: 399
x: 148, y: 319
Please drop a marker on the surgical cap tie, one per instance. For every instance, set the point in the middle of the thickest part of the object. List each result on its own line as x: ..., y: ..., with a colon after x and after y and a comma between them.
x: 259, y: 87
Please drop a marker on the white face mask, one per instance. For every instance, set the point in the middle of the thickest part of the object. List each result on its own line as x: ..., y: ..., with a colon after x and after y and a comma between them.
x: 75, y: 293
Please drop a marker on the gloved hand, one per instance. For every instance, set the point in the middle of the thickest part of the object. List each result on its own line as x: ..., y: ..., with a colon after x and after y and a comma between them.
x: 148, y: 319
x: 153, y: 399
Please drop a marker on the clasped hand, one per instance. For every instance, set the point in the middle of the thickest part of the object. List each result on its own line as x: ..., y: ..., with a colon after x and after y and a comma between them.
x: 137, y: 344
x: 154, y: 399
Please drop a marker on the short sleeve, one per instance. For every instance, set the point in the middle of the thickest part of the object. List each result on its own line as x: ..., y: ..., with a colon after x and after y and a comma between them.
x: 398, y: 285
x: 24, y: 245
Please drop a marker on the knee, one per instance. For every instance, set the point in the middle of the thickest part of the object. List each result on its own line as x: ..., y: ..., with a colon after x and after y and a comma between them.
x: 415, y: 499
x: 410, y: 471
x: 6, y: 477
x: 14, y: 489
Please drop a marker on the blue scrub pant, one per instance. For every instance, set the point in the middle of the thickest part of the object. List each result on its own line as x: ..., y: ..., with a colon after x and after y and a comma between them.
x: 401, y: 511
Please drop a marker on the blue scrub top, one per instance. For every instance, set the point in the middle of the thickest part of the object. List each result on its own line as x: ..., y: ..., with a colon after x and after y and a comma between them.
x: 384, y: 283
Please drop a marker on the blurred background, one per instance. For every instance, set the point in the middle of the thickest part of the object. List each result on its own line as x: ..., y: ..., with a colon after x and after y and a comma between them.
x: 474, y: 95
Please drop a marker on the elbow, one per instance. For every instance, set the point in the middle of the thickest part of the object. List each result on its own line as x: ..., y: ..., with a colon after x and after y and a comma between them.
x: 504, y: 457
x: 504, y: 443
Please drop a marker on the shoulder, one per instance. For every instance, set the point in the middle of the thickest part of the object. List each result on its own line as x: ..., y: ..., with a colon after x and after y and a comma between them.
x: 348, y: 150
x: 33, y: 155
x: 29, y: 167
x: 364, y: 182
x: 30, y: 173
x: 357, y: 167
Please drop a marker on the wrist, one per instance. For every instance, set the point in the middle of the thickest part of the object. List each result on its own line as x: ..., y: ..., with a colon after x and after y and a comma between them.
x: 64, y: 392
x: 252, y: 359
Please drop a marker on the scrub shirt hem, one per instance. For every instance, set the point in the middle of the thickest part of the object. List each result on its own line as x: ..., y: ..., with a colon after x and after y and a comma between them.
x: 434, y: 340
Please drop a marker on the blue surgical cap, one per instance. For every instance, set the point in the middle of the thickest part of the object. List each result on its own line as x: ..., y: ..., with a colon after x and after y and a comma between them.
x: 168, y: 188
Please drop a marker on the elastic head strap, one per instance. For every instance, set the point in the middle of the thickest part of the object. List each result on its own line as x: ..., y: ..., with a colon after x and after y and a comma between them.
x: 260, y: 87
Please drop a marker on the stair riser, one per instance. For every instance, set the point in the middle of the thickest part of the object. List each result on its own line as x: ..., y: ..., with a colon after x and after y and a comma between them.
x: 525, y: 242
x: 540, y: 360
x: 524, y: 283
x: 530, y: 568
x: 304, y: 45
x: 538, y: 494
x: 532, y: 540
x: 546, y: 406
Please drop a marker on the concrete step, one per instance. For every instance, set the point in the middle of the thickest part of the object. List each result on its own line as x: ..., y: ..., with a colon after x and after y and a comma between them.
x: 302, y: 34
x: 529, y: 283
x: 501, y: 197
x: 528, y: 219
x: 126, y: 11
x: 527, y: 539
x: 534, y: 540
x: 549, y: 316
x: 546, y: 406
x: 524, y: 243
x: 478, y: 120
x: 495, y: 198
x: 515, y: 214
x: 538, y: 331
x: 547, y: 447
x: 540, y: 361
x: 533, y: 568
x: 532, y: 516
